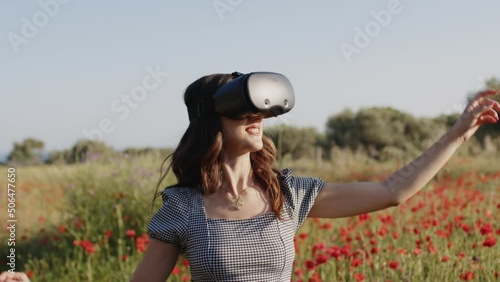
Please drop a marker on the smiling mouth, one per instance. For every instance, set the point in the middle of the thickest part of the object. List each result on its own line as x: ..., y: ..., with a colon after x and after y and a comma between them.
x: 253, y: 130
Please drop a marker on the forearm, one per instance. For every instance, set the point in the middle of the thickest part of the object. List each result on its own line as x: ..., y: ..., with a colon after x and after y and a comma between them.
x: 407, y: 181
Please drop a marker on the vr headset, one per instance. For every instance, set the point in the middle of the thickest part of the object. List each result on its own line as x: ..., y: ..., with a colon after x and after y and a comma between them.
x: 267, y: 93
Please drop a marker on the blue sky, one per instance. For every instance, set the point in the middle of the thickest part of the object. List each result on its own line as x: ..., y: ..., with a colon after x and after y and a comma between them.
x: 66, y: 66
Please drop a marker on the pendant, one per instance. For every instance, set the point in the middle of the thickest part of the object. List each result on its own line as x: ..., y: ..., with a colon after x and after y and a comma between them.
x: 239, y: 203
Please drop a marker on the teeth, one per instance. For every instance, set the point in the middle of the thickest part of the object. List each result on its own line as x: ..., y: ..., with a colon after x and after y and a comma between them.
x: 253, y: 130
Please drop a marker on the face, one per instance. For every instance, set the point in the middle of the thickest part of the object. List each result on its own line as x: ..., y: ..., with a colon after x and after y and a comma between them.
x: 243, y: 135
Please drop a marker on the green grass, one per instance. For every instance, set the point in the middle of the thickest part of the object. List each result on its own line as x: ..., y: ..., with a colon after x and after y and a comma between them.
x: 99, y: 202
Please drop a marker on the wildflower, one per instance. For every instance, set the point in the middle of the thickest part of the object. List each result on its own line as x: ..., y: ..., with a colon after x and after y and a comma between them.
x: 321, y: 259
x: 140, y: 244
x: 62, y: 229
x: 108, y: 233
x: 393, y: 264
x: 402, y: 251
x: 176, y: 270
x: 326, y: 226
x: 88, y: 246
x: 431, y: 248
x: 309, y: 264
x: 466, y: 228
x: 335, y: 252
x: 130, y: 233
x: 490, y: 241
x: 445, y: 259
x: 359, y: 277
x: 356, y: 262
x: 363, y: 217
x: 467, y: 276
x: 303, y: 235
x: 299, y: 273
x: 486, y: 228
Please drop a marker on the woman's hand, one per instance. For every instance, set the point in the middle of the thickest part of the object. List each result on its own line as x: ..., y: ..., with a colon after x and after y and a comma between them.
x: 479, y: 111
x: 13, y: 277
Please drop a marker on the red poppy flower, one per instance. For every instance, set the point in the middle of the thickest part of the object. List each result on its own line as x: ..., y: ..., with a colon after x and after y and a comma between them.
x: 130, y: 233
x: 62, y: 229
x: 467, y: 276
x: 486, y: 228
x: 108, y: 233
x: 321, y: 259
x: 490, y: 241
x: 358, y: 277
x: 309, y: 264
x: 393, y: 264
x: 356, y: 262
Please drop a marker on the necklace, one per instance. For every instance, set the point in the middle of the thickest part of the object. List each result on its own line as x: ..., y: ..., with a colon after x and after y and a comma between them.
x: 239, y: 199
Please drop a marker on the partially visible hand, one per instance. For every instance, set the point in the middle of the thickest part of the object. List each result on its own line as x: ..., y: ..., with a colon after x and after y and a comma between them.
x: 13, y: 277
x: 479, y: 111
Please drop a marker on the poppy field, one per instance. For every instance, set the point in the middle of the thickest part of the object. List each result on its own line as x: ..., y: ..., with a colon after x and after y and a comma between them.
x: 88, y: 222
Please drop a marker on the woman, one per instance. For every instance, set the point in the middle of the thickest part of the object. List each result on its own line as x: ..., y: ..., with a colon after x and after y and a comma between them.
x: 235, y: 218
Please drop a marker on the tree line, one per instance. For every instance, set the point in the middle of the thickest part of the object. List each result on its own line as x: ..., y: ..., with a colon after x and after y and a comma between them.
x: 381, y: 133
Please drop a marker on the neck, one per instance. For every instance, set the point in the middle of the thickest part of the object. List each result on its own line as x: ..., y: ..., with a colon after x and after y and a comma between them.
x: 237, y: 173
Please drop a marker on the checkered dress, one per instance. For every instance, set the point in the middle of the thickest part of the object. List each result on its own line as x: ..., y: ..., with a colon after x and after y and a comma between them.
x: 260, y: 248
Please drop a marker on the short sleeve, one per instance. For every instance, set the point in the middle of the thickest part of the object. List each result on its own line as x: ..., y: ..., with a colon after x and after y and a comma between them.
x: 300, y: 193
x: 170, y: 223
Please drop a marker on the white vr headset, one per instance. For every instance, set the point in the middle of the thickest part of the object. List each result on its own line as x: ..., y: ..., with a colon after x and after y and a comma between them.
x: 267, y: 93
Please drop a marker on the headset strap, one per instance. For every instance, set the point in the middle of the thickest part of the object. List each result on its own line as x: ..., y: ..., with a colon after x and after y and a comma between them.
x: 205, y: 106
x: 200, y: 108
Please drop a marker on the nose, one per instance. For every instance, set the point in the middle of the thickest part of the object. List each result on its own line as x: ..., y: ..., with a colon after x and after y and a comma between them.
x: 255, y: 117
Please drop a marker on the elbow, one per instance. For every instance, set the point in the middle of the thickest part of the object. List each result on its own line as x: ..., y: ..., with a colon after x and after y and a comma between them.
x: 394, y: 198
x: 395, y: 203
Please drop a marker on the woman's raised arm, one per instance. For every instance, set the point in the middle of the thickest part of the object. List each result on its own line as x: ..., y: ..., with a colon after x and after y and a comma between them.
x: 349, y: 199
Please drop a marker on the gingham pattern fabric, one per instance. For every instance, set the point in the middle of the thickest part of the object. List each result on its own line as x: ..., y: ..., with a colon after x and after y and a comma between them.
x: 260, y: 248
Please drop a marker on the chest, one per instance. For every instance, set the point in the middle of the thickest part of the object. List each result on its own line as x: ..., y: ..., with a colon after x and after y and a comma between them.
x: 254, y: 249
x: 253, y: 203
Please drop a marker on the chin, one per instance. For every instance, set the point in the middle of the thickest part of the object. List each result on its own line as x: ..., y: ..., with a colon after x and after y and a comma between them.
x: 255, y: 147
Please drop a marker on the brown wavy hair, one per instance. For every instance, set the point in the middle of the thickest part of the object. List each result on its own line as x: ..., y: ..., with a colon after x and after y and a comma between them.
x: 197, y: 160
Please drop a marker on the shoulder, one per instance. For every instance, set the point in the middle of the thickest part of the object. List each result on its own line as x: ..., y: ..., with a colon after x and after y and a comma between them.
x: 300, y: 193
x: 295, y: 183
x: 178, y: 194
x: 178, y: 199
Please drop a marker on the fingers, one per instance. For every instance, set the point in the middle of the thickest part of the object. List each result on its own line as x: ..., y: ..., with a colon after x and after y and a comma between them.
x: 481, y: 103
x: 13, y: 277
x: 486, y: 119
x: 487, y: 93
x: 481, y: 97
x: 487, y: 116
